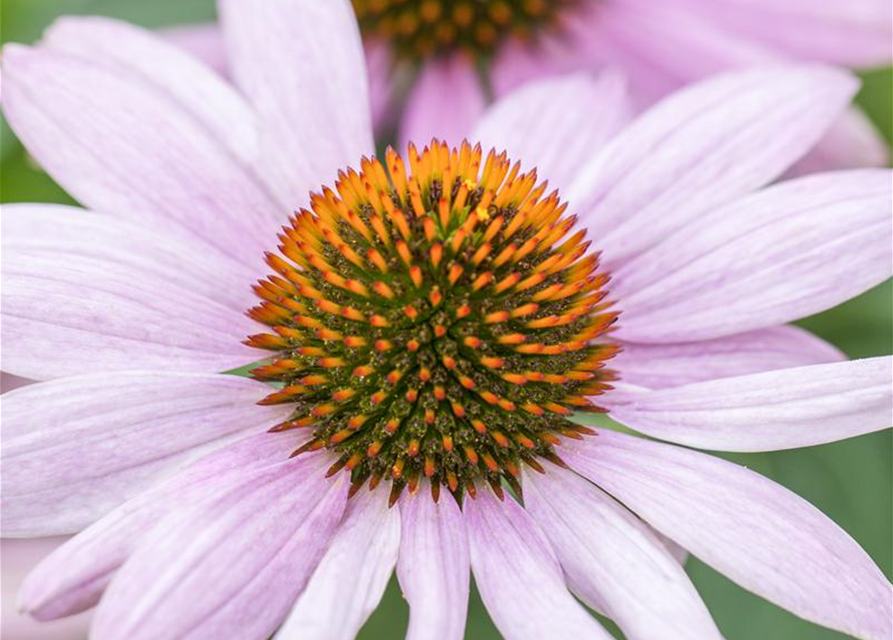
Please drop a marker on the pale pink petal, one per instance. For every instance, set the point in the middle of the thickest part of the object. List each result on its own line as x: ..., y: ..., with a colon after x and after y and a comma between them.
x: 660, y: 48
x: 67, y: 233
x: 352, y: 576
x: 852, y: 33
x: 517, y: 62
x: 203, y: 41
x: 130, y: 145
x: 702, y: 147
x: 231, y: 566
x: 595, y: 36
x: 786, y: 252
x: 379, y: 66
x: 759, y: 534
x: 433, y: 567
x: 782, y: 409
x: 19, y: 557
x: 852, y: 142
x: 445, y: 102
x: 614, y: 561
x: 518, y: 576
x: 74, y: 577
x: 675, y: 549
x: 75, y: 448
x: 301, y: 64
x: 670, y: 365
x: 65, y: 316
x: 599, y: 38
x: 663, y: 48
x: 110, y: 295
x: 556, y: 125
x: 154, y: 60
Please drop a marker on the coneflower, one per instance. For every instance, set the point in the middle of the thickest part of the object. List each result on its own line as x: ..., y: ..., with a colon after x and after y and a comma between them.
x: 439, y: 320
x: 435, y: 328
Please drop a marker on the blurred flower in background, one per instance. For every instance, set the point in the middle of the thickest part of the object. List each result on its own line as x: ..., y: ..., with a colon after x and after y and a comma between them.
x: 64, y: 37
x: 441, y: 61
x: 659, y: 45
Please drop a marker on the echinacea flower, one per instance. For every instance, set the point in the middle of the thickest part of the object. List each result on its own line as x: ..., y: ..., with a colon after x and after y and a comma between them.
x: 433, y: 324
x: 441, y: 60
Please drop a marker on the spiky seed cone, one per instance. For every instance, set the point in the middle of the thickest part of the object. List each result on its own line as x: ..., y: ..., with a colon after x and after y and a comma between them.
x: 439, y: 321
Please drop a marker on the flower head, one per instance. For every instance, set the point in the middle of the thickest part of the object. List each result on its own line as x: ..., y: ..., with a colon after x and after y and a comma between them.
x: 198, y: 519
x: 437, y: 320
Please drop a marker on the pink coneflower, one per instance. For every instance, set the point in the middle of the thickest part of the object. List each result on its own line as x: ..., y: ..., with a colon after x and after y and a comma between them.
x: 433, y: 324
x: 443, y: 59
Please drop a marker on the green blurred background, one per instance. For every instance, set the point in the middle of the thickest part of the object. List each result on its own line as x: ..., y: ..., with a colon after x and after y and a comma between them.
x: 850, y: 481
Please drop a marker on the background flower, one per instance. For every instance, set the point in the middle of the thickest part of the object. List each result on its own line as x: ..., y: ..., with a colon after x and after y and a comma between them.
x: 661, y: 45
x: 864, y: 462
x: 435, y: 89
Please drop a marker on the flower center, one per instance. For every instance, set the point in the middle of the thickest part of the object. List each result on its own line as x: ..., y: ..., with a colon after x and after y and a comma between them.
x: 441, y: 322
x: 426, y: 27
